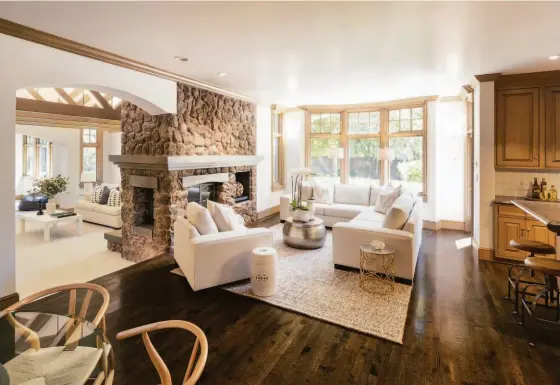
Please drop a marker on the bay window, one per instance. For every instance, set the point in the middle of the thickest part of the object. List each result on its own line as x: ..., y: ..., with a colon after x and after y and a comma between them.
x: 37, y: 157
x: 91, y: 156
x: 343, y: 144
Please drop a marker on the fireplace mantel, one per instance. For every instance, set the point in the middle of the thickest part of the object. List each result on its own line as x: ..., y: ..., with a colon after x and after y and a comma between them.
x: 184, y: 162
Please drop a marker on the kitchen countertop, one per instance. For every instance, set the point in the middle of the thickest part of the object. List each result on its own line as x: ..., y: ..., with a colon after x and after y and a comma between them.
x: 546, y: 212
x: 505, y: 199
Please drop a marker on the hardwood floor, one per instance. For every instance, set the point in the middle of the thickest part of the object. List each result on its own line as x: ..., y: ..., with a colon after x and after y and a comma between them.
x: 459, y: 331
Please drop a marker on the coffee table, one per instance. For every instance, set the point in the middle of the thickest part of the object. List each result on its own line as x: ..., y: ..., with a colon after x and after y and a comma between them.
x: 305, y: 235
x: 48, y: 222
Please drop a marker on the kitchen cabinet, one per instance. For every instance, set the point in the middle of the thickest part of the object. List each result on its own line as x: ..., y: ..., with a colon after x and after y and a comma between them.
x: 512, y: 223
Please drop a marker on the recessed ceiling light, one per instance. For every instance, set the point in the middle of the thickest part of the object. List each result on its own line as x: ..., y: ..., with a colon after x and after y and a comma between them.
x: 554, y: 57
x: 222, y: 74
x: 181, y: 58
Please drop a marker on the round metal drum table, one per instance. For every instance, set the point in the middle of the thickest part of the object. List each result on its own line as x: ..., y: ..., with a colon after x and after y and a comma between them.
x: 305, y: 235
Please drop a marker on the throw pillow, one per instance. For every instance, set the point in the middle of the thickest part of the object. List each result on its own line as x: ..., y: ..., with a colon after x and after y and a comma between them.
x: 236, y: 222
x: 220, y: 214
x: 375, y: 192
x: 96, y: 195
x: 386, y: 199
x: 323, y: 193
x: 201, y: 218
x: 399, y: 212
x: 114, y: 198
x: 104, y: 196
x: 193, y: 232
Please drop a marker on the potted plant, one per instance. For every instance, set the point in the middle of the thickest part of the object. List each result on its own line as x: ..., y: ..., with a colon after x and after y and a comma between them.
x: 50, y: 187
x: 300, y: 209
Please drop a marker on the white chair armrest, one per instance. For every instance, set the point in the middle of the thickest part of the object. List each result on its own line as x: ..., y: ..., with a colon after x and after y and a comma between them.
x: 228, y: 236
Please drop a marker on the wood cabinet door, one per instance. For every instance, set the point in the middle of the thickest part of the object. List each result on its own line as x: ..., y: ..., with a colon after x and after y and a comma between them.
x: 552, y: 128
x: 508, y: 229
x: 537, y: 231
x: 517, y: 128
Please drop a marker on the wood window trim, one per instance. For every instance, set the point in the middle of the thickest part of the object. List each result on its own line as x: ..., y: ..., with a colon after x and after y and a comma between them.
x: 277, y: 117
x: 35, y: 147
x: 383, y: 134
x: 98, y: 154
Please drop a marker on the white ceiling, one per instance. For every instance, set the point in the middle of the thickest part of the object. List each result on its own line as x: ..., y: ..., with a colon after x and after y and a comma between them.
x: 296, y: 53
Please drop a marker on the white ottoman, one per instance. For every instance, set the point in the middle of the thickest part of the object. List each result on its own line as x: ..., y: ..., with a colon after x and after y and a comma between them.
x: 264, y: 271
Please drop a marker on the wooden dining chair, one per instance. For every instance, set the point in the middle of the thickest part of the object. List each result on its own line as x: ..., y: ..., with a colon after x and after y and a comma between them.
x: 193, y: 370
x: 72, y: 330
x: 72, y: 289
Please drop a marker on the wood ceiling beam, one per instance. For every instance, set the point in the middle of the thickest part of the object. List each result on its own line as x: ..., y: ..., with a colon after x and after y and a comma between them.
x: 36, y: 95
x: 104, y: 103
x: 23, y: 104
x: 64, y: 95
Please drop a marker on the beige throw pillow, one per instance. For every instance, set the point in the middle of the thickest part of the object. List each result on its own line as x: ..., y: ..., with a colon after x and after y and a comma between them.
x: 323, y: 193
x: 201, y: 218
x: 220, y: 214
x: 399, y: 212
x: 386, y: 199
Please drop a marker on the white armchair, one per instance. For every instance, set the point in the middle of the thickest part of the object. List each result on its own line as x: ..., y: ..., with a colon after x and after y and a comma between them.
x: 216, y: 259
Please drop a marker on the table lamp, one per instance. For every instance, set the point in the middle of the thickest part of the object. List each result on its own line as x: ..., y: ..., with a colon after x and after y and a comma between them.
x: 88, y: 178
x: 385, y: 156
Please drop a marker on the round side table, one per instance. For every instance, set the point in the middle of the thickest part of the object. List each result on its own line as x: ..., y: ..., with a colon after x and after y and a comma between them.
x: 377, y: 269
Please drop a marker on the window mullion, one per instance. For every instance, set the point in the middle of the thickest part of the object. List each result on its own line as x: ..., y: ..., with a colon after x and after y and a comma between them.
x: 384, y: 142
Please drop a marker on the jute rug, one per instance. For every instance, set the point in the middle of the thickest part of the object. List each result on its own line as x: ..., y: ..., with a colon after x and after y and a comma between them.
x: 309, y: 284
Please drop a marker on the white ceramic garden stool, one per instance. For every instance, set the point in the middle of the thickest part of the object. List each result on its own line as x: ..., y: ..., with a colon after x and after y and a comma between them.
x: 264, y: 271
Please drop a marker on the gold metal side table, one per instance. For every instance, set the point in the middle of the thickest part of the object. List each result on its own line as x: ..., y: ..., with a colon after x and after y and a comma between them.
x: 377, y: 269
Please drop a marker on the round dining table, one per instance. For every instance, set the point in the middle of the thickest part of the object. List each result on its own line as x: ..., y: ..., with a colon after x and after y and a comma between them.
x: 42, y: 348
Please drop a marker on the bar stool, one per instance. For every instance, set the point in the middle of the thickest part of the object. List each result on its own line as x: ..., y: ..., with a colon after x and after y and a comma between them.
x: 551, y: 270
x: 532, y: 247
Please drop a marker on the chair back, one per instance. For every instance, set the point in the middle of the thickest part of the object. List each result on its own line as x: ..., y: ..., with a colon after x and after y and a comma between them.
x: 198, y: 357
x: 72, y: 289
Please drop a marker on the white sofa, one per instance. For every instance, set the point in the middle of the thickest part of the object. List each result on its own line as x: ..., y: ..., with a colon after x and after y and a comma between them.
x: 354, y: 221
x: 100, y: 214
x: 216, y: 259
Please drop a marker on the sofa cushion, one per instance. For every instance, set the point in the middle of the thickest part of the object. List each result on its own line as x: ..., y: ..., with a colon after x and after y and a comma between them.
x: 86, y: 205
x: 351, y: 194
x: 320, y: 208
x: 201, y: 218
x: 220, y: 214
x: 344, y: 210
x: 107, y: 210
x: 398, y: 213
x: 375, y: 192
x: 323, y: 192
x: 370, y: 215
x: 362, y: 224
x: 386, y: 199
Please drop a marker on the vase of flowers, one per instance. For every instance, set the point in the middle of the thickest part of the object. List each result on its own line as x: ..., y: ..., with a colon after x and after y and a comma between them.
x: 299, y: 208
x: 50, y: 187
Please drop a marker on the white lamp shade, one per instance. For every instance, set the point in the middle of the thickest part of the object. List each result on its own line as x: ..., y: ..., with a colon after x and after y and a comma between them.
x: 385, y: 153
x: 88, y: 177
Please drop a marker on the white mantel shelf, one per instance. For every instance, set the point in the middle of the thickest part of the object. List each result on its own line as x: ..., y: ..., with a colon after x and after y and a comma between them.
x: 184, y: 162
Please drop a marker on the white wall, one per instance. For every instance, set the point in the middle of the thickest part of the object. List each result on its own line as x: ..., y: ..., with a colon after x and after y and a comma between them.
x: 294, y: 142
x: 25, y: 64
x: 451, y: 132
x: 429, y: 209
x: 265, y: 197
x: 484, y: 173
x: 111, y: 146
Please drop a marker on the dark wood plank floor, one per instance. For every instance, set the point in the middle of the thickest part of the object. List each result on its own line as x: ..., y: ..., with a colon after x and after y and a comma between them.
x: 459, y: 331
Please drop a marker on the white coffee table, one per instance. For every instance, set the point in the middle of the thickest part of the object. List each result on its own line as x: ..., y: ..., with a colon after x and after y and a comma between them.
x: 47, y: 221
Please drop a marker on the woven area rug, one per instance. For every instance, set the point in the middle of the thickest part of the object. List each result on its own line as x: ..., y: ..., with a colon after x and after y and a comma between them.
x: 309, y: 284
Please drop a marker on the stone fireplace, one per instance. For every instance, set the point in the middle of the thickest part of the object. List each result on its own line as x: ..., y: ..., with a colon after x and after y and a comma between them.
x: 205, y: 151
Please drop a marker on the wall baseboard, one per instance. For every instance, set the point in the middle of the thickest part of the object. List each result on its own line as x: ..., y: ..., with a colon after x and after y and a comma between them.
x: 483, y: 253
x: 8, y: 300
x: 444, y: 224
x: 268, y: 212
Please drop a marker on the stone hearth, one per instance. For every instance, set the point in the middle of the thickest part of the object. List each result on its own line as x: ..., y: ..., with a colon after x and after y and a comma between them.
x: 210, y: 134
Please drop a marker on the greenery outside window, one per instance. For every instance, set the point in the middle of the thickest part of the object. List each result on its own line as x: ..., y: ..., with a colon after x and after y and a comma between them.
x: 358, y: 133
x: 277, y: 152
x: 91, y: 157
x: 37, y: 157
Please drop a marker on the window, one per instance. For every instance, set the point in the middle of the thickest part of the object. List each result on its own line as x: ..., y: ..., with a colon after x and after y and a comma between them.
x: 91, y: 157
x: 344, y: 146
x: 277, y: 152
x: 37, y: 157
